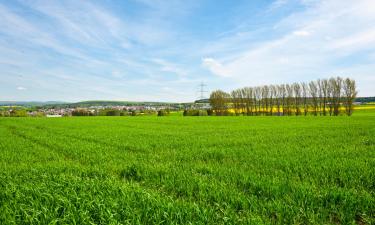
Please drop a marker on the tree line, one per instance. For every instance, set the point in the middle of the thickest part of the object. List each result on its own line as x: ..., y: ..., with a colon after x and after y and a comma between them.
x: 323, y: 97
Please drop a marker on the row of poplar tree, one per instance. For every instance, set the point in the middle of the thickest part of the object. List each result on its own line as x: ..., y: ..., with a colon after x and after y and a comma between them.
x: 332, y: 97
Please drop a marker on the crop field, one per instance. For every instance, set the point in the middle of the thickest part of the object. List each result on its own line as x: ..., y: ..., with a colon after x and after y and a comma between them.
x: 188, y: 170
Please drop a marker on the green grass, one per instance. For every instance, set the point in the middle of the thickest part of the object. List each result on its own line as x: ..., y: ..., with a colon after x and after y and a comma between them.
x: 181, y: 170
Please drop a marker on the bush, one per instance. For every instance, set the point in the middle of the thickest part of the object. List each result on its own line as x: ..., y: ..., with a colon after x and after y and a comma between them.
x: 195, y: 112
x: 81, y: 112
x: 113, y: 113
x: 18, y: 113
x: 224, y: 113
x: 163, y: 113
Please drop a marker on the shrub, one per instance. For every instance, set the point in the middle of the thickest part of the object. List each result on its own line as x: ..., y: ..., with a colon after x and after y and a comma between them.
x: 163, y: 113
x: 195, y: 112
x: 113, y: 113
x: 81, y: 112
x: 210, y: 112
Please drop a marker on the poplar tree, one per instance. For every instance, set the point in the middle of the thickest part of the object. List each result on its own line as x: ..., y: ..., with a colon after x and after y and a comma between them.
x: 350, y: 93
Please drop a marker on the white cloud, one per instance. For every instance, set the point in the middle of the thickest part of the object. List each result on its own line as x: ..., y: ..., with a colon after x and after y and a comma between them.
x: 215, y: 67
x: 20, y: 88
x: 89, y: 51
x: 360, y: 40
x: 341, y: 29
x: 166, y: 66
x: 277, y: 4
x: 302, y: 33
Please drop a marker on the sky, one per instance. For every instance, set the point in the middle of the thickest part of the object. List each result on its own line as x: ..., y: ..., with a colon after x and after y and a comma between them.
x: 161, y: 50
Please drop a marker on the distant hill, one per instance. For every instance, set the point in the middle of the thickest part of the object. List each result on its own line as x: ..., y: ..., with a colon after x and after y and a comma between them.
x: 365, y: 99
x: 203, y: 101
x: 108, y: 103
x: 59, y: 104
x: 28, y: 104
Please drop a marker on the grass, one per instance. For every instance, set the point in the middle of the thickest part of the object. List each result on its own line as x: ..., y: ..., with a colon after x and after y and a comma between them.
x: 188, y: 170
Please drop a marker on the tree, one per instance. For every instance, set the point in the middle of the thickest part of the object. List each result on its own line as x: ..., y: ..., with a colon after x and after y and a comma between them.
x: 305, y: 94
x: 265, y: 97
x: 336, y: 85
x: 297, y: 98
x: 283, y: 97
x: 248, y: 93
x: 163, y: 112
x: 289, y: 99
x: 313, y: 87
x: 330, y: 97
x: 236, y: 101
x: 350, y: 93
x: 320, y: 94
x: 258, y: 98
x: 219, y: 102
x: 325, y: 89
x: 273, y: 96
x: 318, y: 97
x: 278, y: 99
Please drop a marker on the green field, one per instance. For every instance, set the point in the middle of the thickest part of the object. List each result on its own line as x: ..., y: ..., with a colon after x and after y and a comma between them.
x: 188, y: 170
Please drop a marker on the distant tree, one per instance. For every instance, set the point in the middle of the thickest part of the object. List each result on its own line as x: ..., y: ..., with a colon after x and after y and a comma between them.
x: 18, y: 113
x: 258, y: 99
x: 162, y: 112
x: 219, y: 102
x: 272, y: 96
x: 283, y: 98
x: 265, y: 98
x: 278, y: 96
x: 81, y: 112
x: 316, y: 97
x: 236, y: 98
x: 325, y: 90
x: 336, y: 85
x: 330, y: 97
x: 320, y: 96
x: 297, y: 98
x: 289, y: 99
x: 195, y: 112
x: 305, y: 94
x: 112, y: 112
x: 350, y: 94
x: 313, y: 87
x: 247, y: 94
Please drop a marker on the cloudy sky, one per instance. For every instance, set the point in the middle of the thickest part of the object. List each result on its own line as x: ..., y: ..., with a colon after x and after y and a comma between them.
x: 160, y: 50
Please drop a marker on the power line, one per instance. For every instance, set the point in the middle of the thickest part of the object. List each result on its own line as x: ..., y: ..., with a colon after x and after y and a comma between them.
x: 202, y: 90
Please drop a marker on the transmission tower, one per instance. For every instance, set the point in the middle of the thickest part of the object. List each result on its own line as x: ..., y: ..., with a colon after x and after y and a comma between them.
x: 202, y: 90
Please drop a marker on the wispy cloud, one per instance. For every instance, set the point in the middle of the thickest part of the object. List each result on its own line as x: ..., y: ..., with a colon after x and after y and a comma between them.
x: 302, y: 33
x: 20, y: 88
x: 318, y: 42
x: 161, y: 50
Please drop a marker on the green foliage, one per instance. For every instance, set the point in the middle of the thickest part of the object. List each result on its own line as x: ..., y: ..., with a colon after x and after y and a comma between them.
x: 195, y: 112
x: 13, y: 112
x: 111, y: 112
x: 188, y: 170
x: 82, y: 112
x: 163, y: 112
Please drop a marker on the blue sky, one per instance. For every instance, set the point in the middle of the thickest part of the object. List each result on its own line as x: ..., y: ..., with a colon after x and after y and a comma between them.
x: 158, y: 50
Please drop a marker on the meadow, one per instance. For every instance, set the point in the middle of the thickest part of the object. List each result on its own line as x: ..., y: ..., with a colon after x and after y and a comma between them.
x: 188, y: 170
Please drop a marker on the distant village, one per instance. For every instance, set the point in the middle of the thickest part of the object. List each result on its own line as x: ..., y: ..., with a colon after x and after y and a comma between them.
x: 115, y: 108
x: 95, y: 109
